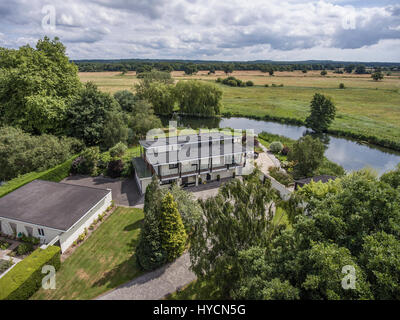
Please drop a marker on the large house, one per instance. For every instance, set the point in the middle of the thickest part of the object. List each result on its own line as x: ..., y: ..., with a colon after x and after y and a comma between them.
x: 191, y: 159
x: 56, y: 213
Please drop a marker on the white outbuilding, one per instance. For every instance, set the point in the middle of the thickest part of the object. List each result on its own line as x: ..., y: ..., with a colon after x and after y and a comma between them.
x: 54, y: 212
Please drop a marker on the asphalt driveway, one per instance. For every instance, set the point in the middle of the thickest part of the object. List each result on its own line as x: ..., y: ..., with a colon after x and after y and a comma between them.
x: 124, y: 191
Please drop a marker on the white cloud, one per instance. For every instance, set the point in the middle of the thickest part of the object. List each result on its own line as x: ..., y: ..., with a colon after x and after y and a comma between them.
x: 212, y: 29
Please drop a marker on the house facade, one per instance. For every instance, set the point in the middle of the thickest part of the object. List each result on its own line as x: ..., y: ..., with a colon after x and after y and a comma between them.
x: 191, y: 159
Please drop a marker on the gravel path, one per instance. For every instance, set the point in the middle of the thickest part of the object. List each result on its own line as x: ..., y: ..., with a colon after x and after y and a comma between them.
x: 157, y: 284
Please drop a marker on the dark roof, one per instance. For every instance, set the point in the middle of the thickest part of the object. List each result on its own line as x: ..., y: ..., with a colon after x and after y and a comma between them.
x: 190, y: 138
x: 50, y: 204
x: 323, y: 178
x: 141, y: 168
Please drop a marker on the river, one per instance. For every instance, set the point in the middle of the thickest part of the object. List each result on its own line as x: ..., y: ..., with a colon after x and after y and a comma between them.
x: 350, y: 154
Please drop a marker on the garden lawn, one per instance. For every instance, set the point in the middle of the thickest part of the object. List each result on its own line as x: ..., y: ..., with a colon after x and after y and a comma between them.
x: 104, y: 261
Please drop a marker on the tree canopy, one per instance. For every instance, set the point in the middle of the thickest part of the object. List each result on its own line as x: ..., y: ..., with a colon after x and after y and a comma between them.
x: 307, y: 153
x: 37, y: 85
x: 87, y: 115
x: 322, y: 113
x: 198, y: 98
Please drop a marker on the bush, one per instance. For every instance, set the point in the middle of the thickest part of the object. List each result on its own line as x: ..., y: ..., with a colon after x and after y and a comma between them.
x: 25, y: 278
x: 280, y: 176
x: 87, y: 163
x: 4, y: 245
x: 118, y: 150
x: 249, y: 83
x: 267, y: 85
x: 24, y: 248
x: 285, y: 151
x: 115, y: 168
x: 341, y: 86
x: 276, y: 146
x: 29, y: 239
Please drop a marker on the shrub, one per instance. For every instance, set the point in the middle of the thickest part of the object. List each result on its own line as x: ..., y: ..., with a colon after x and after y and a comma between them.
x: 249, y: 83
x: 285, y: 151
x: 115, y: 168
x: 4, y: 245
x: 267, y: 85
x: 87, y: 163
x: 276, y: 146
x: 26, y: 277
x: 341, y: 86
x: 118, y: 150
x: 29, y: 239
x: 24, y: 248
x: 280, y: 176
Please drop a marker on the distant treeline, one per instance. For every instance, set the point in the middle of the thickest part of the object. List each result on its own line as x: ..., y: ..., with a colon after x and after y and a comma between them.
x: 190, y: 67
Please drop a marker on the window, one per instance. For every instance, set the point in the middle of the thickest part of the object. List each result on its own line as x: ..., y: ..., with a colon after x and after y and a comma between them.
x: 173, y: 166
x: 41, y: 232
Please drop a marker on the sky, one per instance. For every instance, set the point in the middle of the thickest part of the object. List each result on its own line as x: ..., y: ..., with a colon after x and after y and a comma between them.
x: 239, y: 30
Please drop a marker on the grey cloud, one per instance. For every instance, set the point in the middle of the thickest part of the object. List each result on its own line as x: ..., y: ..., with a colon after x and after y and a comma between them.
x: 149, y: 8
x: 367, y: 33
x: 265, y: 37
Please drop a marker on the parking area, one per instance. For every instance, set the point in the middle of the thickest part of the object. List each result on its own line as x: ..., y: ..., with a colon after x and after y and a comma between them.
x: 124, y: 191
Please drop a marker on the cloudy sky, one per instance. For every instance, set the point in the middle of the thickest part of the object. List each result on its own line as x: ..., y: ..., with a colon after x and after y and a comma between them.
x: 365, y: 30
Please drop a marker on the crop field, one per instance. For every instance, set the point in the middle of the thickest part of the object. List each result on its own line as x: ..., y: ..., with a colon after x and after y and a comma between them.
x: 365, y: 107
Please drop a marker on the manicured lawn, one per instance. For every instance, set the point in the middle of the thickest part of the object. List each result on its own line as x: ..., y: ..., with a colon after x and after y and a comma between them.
x: 104, y: 261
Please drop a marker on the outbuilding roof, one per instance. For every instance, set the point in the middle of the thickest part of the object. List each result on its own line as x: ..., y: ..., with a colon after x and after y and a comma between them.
x: 50, y: 204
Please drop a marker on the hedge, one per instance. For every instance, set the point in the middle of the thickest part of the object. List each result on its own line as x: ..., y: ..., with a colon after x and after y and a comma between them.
x: 25, y: 278
x: 55, y: 174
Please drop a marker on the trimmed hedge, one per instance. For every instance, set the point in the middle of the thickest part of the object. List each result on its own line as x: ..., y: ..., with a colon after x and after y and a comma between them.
x: 55, y: 174
x: 59, y: 172
x: 25, y: 278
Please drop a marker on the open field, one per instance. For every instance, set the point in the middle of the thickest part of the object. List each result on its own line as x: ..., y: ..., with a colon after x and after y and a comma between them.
x: 104, y: 261
x: 365, y: 107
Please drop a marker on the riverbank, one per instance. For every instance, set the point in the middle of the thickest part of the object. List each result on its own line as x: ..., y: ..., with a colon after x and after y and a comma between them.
x: 359, y: 137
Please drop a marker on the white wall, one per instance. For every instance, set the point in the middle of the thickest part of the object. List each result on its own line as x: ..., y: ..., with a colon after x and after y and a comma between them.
x: 67, y: 238
x: 49, y: 233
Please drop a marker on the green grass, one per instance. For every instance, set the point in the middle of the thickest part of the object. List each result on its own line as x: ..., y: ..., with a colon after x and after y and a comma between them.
x: 104, y: 261
x: 55, y: 174
x: 367, y: 110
